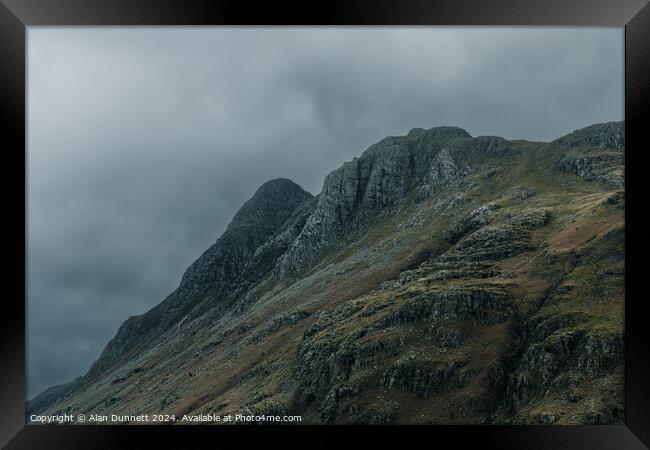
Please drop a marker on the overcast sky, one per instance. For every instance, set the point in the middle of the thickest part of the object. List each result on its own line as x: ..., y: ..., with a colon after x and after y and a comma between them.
x: 144, y: 142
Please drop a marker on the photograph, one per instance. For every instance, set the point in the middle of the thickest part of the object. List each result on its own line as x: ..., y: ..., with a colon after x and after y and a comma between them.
x: 325, y: 225
x: 373, y: 221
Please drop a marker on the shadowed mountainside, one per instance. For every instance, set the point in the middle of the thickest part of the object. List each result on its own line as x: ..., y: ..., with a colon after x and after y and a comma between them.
x: 437, y: 278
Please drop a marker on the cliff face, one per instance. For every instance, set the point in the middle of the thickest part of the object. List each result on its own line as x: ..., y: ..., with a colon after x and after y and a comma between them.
x: 595, y: 153
x: 437, y: 278
x: 378, y: 182
x: 603, y: 135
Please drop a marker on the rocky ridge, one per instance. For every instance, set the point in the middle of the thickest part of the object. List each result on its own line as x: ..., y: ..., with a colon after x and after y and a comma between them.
x: 379, y: 181
x: 437, y: 278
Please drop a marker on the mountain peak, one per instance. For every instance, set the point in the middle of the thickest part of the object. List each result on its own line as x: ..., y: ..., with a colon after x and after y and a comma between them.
x: 440, y: 132
x: 215, y: 271
x: 270, y: 206
x: 279, y: 183
x: 279, y: 188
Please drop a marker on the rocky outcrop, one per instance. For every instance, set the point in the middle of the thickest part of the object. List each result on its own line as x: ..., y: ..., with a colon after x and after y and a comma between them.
x: 594, y: 153
x: 601, y: 135
x: 424, y: 378
x: 269, y: 211
x: 590, y: 164
x: 279, y: 243
x: 573, y: 352
x: 495, y: 242
x: 379, y: 181
x: 480, y: 304
x: 369, y: 185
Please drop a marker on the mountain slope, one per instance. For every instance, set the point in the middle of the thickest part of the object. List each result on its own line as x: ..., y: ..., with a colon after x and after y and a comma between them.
x: 216, y: 271
x: 437, y: 278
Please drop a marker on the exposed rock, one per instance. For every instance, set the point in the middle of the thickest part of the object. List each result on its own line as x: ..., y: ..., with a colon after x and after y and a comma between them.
x: 491, y: 243
x: 424, y: 378
x: 616, y: 197
x: 595, y: 153
x: 593, y: 165
x: 481, y: 147
x: 481, y: 216
x: 601, y: 135
x: 379, y: 180
x: 482, y: 304
x: 422, y: 193
x: 371, y: 184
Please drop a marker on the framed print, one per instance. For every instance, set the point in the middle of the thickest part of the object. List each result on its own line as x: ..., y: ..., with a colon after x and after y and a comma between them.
x: 372, y: 218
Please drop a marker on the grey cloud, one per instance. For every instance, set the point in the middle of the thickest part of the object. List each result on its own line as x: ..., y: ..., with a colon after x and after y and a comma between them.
x: 143, y: 143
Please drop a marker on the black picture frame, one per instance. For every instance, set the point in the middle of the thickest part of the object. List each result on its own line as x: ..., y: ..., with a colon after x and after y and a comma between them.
x: 16, y: 15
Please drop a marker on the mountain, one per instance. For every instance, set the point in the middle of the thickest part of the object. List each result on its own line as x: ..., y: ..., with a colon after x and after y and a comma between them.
x: 217, y: 272
x: 437, y: 278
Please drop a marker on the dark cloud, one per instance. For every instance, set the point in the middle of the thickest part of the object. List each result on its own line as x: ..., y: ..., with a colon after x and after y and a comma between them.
x: 143, y: 143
